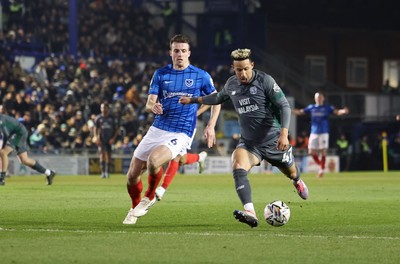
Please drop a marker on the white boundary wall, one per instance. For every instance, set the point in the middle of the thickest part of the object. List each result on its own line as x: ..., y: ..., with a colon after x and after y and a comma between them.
x: 62, y: 164
x: 79, y: 165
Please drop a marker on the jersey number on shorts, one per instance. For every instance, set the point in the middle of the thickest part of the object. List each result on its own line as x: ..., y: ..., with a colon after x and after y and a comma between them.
x: 173, y: 141
x: 287, y: 156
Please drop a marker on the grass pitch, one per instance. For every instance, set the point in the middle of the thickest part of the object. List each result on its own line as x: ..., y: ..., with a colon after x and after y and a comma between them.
x: 349, y: 218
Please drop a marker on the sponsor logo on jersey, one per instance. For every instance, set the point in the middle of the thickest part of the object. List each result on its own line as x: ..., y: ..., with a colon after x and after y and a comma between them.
x: 166, y: 94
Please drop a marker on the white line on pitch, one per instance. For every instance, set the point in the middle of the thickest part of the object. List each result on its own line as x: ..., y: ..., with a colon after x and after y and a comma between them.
x: 190, y: 233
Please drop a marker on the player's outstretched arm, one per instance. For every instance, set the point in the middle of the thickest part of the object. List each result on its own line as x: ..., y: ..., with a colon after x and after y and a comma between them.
x: 209, y: 131
x: 188, y: 100
x: 202, y: 109
x: 296, y: 111
x: 343, y: 111
x: 211, y: 99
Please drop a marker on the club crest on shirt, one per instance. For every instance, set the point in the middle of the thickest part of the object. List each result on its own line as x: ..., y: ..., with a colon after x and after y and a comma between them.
x: 253, y: 90
x: 189, y: 82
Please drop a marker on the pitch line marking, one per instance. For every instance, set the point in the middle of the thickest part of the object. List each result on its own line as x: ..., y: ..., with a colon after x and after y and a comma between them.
x: 191, y: 233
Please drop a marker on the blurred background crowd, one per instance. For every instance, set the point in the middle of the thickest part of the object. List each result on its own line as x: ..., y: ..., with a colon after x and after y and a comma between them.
x: 59, y: 98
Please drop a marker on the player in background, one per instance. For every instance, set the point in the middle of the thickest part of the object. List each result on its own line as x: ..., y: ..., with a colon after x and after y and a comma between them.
x: 13, y: 136
x: 264, y: 117
x: 173, y: 126
x: 105, y: 133
x: 180, y: 160
x: 318, y: 142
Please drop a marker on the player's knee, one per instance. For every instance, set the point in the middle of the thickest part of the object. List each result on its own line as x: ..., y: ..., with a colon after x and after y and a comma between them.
x: 239, y: 166
x: 182, y: 162
x: 131, y: 180
x: 26, y: 162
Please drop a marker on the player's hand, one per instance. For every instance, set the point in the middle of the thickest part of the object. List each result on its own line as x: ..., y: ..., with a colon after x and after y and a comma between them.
x: 209, y: 134
x: 346, y: 110
x: 283, y: 143
x: 157, y: 109
x: 96, y: 140
x: 184, y: 100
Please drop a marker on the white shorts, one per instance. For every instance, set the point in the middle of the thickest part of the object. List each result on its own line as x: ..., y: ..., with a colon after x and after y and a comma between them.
x: 177, y: 143
x: 318, y: 141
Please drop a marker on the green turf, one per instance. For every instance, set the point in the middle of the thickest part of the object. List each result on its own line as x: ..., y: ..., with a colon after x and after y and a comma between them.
x: 349, y: 218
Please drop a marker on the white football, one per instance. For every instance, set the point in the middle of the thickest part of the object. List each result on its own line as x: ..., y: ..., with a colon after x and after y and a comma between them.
x: 277, y: 213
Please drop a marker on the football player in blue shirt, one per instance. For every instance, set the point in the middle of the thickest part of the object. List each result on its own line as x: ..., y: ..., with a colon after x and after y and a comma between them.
x: 173, y: 126
x: 318, y: 142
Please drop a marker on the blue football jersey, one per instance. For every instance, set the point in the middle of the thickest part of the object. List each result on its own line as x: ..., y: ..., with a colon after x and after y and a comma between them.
x: 319, y: 117
x: 169, y: 85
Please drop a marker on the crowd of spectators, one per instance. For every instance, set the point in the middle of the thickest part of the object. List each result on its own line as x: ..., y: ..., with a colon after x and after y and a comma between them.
x: 122, y: 28
x: 59, y: 99
x: 60, y: 96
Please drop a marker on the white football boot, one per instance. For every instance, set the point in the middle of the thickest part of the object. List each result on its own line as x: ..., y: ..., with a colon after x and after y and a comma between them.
x: 202, y: 161
x: 160, y: 193
x: 130, y: 219
x: 143, y: 207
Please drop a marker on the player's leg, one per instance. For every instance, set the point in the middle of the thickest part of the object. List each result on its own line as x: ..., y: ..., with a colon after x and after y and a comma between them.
x: 35, y: 165
x: 136, y: 168
x: 134, y: 187
x: 242, y: 162
x: 173, y: 166
x: 190, y: 158
x: 284, y: 161
x: 293, y: 173
x: 323, y: 162
x: 166, y: 146
x: 323, y: 145
x: 313, y: 144
x: 158, y: 156
x: 21, y: 146
x: 194, y: 157
x: 102, y: 160
x: 107, y: 159
x: 4, y: 163
x: 170, y: 173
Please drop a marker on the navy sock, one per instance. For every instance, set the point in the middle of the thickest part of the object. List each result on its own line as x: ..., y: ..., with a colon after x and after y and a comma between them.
x: 242, y: 185
x: 38, y: 167
x: 297, y: 174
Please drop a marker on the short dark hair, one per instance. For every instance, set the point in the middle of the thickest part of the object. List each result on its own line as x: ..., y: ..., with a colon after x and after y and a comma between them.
x: 179, y: 38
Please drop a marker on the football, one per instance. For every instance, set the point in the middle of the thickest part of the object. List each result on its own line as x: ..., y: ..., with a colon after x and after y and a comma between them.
x: 277, y: 213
